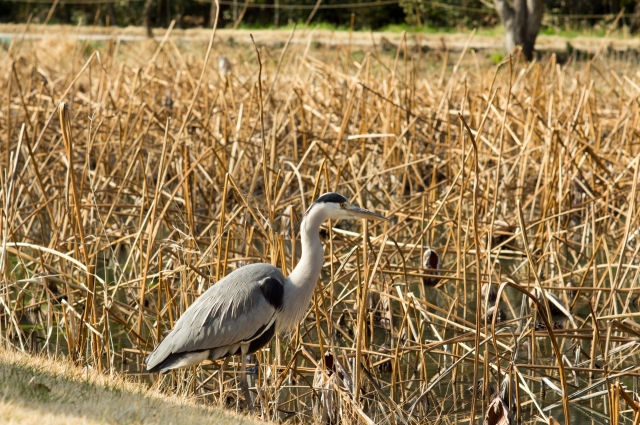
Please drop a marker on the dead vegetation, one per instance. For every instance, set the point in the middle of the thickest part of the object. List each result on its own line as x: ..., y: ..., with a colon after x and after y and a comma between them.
x: 522, y: 177
x: 40, y: 390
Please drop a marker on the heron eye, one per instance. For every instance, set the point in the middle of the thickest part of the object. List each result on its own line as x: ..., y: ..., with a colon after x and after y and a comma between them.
x: 343, y: 205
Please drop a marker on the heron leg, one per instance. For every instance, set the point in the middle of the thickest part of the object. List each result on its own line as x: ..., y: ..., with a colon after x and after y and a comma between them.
x: 221, y: 400
x: 244, y: 381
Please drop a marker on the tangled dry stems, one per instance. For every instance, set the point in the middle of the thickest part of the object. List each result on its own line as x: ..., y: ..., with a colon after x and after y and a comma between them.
x: 110, y: 231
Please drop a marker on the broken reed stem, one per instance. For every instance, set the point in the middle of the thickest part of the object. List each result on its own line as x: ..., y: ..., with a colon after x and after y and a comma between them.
x: 476, y: 242
x: 265, y: 175
x: 543, y: 310
x: 63, y: 110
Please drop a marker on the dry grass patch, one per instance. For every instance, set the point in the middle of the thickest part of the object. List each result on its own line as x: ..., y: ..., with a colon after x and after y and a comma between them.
x: 43, y: 391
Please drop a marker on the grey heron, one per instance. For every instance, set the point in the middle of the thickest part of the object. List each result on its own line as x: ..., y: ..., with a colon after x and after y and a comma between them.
x: 224, y: 67
x: 241, y: 313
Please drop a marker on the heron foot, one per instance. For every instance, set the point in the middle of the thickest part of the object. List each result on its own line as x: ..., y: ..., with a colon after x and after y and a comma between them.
x: 247, y: 394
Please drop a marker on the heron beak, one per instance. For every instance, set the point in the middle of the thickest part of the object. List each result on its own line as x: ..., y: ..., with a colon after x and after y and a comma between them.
x: 366, y: 214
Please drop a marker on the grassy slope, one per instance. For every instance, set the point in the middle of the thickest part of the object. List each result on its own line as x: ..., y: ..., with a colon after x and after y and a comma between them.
x: 37, y: 390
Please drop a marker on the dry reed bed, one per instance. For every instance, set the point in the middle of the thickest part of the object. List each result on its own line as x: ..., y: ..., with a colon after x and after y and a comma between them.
x: 163, y: 185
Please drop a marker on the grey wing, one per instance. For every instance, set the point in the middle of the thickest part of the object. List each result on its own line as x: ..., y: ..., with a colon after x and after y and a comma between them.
x: 233, y: 311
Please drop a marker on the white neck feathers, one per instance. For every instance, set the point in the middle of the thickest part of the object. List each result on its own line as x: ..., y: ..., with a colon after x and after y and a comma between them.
x: 300, y: 284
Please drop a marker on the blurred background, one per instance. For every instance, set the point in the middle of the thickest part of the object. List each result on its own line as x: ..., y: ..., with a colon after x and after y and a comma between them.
x: 561, y: 17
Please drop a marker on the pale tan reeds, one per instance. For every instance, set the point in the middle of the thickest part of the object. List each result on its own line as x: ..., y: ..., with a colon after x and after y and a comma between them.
x: 523, y: 177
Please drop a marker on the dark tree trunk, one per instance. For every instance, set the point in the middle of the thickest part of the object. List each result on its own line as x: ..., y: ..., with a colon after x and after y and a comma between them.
x: 146, y: 17
x: 635, y: 24
x: 522, y: 23
x: 235, y: 11
x: 113, y: 19
x: 615, y: 6
x: 180, y: 20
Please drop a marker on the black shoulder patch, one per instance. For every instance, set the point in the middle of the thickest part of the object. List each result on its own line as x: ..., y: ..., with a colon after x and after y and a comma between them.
x: 262, y: 340
x: 332, y: 197
x: 273, y: 291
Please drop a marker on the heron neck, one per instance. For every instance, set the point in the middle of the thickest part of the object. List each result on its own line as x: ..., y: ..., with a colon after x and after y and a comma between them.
x: 307, y: 271
x: 302, y: 280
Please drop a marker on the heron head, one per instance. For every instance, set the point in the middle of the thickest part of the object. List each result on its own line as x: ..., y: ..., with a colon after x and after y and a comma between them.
x: 338, y: 207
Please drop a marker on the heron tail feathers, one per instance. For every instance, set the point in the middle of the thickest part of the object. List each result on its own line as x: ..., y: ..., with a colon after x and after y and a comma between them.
x: 178, y: 360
